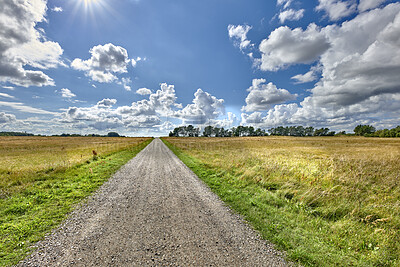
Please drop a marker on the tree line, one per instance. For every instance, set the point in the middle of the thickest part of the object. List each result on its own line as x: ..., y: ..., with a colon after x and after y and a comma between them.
x: 370, y: 131
x: 110, y: 134
x: 211, y: 131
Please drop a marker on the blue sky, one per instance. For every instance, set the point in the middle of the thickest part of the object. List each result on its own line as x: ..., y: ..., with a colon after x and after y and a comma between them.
x: 143, y: 67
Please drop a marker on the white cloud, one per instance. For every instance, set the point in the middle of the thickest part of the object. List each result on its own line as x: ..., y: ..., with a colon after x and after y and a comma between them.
x: 166, y: 126
x: 135, y: 61
x: 285, y: 3
x: 291, y: 14
x: 239, y: 35
x: 164, y: 99
x: 252, y: 119
x: 262, y: 95
x: 204, y: 108
x: 21, y: 44
x: 106, y: 102
x: 285, y: 47
x: 360, y: 79
x: 143, y: 91
x: 6, y: 95
x: 227, y: 122
x: 6, y: 118
x: 24, y: 108
x: 364, y: 59
x: 309, y: 76
x: 38, y: 54
x: 145, y: 113
x: 57, y: 9
x: 126, y: 83
x: 66, y: 93
x: 365, y: 5
x: 142, y: 121
x: 337, y: 9
x: 105, y: 61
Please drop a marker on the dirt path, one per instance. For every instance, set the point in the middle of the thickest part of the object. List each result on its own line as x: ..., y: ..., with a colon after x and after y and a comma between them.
x: 154, y: 212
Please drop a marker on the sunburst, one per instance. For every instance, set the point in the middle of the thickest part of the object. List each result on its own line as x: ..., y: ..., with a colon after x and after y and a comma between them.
x: 93, y: 9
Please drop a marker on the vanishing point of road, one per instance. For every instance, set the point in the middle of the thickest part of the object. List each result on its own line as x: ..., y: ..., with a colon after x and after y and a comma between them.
x: 154, y: 212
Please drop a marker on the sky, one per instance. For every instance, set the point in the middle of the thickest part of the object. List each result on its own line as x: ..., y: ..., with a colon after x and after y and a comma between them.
x: 143, y: 67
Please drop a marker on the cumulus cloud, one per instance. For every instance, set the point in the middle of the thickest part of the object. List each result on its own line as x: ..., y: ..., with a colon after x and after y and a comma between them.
x: 125, y: 82
x: 107, y: 102
x: 204, y: 108
x: 135, y: 61
x: 309, y: 76
x: 143, y: 91
x: 166, y: 126
x: 359, y: 70
x: 291, y: 14
x: 254, y: 118
x: 66, y: 93
x: 262, y: 95
x: 105, y: 62
x: 239, y: 35
x: 148, y: 113
x: 337, y: 9
x: 145, y: 113
x: 285, y: 47
x: 6, y: 118
x: 57, y: 9
x: 364, y: 59
x: 21, y: 44
x: 369, y: 4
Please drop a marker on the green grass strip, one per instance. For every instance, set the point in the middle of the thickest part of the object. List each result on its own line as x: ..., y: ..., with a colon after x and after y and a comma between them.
x: 307, y: 239
x: 26, y: 217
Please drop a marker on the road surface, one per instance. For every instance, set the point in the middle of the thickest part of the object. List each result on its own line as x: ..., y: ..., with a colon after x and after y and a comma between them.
x: 154, y: 212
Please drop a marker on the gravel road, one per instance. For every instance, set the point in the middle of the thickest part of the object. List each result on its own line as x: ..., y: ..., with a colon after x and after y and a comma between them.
x: 154, y: 212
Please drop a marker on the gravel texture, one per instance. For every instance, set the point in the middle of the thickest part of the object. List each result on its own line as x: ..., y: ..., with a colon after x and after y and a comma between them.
x: 154, y: 212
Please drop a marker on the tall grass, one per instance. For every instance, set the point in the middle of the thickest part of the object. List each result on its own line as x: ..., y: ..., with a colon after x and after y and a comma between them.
x: 23, y: 158
x: 335, y: 195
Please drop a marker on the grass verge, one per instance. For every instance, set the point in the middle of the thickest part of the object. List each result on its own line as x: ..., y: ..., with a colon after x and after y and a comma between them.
x: 25, y: 217
x: 307, y: 237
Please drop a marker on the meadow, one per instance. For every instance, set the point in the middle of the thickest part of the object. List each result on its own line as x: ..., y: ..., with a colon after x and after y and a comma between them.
x: 43, y: 178
x: 22, y: 158
x: 326, y: 201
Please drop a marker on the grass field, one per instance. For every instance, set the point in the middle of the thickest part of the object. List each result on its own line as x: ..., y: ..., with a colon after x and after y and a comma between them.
x: 332, y: 201
x: 22, y: 158
x: 43, y: 178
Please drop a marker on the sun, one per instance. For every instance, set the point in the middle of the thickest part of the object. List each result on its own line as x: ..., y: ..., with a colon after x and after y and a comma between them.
x: 92, y: 10
x: 90, y: 2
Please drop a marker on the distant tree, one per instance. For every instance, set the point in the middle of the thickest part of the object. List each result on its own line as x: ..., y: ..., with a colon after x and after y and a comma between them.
x: 208, y: 131
x: 113, y: 134
x: 15, y: 134
x: 260, y: 132
x: 321, y: 132
x: 189, y: 131
x: 363, y: 130
x: 309, y: 131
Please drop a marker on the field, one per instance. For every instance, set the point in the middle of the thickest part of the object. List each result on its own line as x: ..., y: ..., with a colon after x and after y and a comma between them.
x: 22, y: 158
x: 43, y: 178
x: 327, y: 201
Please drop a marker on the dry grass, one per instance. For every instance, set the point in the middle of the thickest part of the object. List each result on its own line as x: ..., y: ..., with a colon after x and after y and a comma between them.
x: 21, y: 158
x: 352, y: 183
